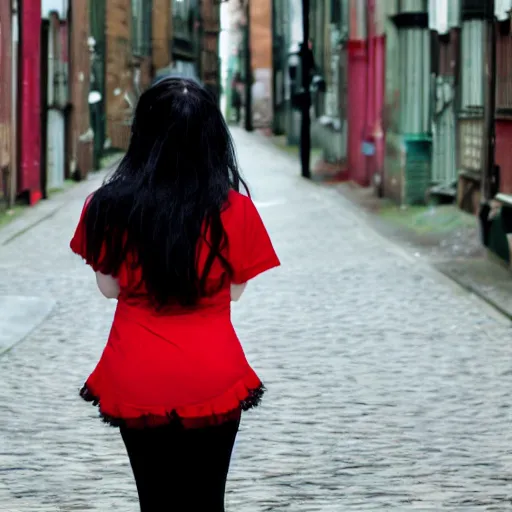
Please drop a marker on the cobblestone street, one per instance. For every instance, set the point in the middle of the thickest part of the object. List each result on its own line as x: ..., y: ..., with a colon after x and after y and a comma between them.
x: 388, y: 387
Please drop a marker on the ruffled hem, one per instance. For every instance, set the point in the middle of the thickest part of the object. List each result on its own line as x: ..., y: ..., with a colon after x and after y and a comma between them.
x: 226, y: 407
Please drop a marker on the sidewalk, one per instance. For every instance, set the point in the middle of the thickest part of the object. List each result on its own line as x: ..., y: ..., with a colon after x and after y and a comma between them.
x: 444, y: 237
x: 382, y: 375
x: 22, y: 314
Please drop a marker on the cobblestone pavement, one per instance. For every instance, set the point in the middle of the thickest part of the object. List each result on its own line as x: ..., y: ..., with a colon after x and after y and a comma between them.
x: 389, y: 388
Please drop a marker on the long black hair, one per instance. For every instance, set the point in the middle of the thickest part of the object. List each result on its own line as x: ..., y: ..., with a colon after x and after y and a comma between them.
x: 167, y: 193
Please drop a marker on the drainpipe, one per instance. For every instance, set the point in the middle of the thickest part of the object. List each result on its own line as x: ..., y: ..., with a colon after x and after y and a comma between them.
x: 275, y: 63
x: 368, y: 135
x: 248, y: 68
x: 305, y: 133
x: 13, y: 175
x: 489, y: 185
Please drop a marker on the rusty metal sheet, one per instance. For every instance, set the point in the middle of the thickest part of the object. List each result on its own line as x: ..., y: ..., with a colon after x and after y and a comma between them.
x: 5, y: 85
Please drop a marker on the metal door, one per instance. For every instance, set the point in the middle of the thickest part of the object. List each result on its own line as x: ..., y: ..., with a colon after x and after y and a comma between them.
x: 54, y: 138
x: 55, y: 150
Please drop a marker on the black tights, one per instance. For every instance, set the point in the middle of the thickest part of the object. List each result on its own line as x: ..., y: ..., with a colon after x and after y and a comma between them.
x: 181, y: 470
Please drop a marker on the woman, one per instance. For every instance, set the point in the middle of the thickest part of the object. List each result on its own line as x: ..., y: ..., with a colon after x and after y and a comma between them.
x: 170, y: 236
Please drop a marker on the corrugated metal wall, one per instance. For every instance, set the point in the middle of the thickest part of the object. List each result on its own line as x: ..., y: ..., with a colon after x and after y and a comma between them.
x: 413, y: 5
x: 5, y: 96
x: 443, y: 15
x: 472, y: 64
x: 414, y: 90
x: 357, y: 24
x: 383, y: 12
x: 444, y: 169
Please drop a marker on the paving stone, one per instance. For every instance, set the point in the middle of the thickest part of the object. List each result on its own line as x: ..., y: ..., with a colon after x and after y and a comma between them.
x: 388, y: 389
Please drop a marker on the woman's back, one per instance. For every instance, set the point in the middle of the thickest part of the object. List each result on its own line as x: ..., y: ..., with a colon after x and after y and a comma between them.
x: 167, y: 195
x: 170, y: 233
x: 245, y: 235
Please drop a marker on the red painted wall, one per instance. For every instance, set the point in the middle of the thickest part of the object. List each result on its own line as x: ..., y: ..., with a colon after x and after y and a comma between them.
x: 374, y: 133
x: 375, y: 128
x: 30, y: 100
x: 502, y: 153
x: 357, y: 108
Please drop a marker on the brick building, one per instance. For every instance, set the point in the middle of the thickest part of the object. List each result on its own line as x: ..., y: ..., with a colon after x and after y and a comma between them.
x: 261, y: 62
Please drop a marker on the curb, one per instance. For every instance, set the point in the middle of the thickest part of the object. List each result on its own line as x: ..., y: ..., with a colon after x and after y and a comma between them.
x: 20, y: 337
x: 476, y: 292
x: 47, y: 208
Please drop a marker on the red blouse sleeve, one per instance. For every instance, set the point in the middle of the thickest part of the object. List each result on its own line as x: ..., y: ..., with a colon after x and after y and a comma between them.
x: 251, y: 251
x: 78, y: 243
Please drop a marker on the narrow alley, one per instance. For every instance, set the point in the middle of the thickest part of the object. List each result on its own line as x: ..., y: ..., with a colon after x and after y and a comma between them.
x: 388, y: 387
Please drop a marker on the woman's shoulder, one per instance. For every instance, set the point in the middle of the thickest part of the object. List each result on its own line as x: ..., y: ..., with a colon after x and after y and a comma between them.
x: 237, y: 200
x: 238, y: 205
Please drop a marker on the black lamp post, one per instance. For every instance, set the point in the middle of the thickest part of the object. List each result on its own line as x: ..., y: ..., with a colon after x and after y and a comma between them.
x: 489, y: 179
x: 305, y: 134
x: 248, y: 68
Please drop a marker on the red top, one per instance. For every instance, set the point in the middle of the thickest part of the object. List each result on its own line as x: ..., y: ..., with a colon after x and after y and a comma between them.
x: 185, y: 363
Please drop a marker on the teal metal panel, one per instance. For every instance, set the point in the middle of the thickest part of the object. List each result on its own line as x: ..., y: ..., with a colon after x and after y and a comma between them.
x: 417, y: 170
x: 413, y: 5
x: 498, y: 242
